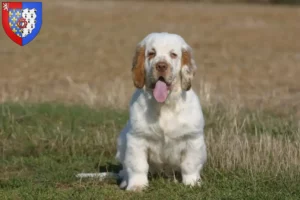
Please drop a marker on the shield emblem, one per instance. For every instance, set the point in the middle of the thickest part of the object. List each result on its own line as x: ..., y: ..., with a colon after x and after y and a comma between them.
x: 22, y: 21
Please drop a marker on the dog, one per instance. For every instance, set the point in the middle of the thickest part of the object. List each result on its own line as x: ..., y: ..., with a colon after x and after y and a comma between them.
x: 165, y: 130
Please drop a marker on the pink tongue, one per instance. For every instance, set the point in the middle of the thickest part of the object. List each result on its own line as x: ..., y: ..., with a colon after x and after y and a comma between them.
x: 160, y: 91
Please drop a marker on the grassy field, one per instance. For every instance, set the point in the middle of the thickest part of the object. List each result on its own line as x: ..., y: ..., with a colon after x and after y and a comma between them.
x: 251, y: 155
x: 247, y: 79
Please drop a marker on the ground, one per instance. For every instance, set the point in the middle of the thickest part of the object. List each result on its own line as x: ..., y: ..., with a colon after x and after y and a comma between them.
x: 45, y: 145
x: 247, y: 79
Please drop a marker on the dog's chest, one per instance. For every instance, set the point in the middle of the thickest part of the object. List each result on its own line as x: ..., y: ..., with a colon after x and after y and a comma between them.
x: 165, y: 152
x: 166, y: 125
x: 166, y: 143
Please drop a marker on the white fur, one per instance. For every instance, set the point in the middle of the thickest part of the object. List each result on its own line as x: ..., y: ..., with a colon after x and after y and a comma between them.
x: 101, y: 176
x: 162, y: 136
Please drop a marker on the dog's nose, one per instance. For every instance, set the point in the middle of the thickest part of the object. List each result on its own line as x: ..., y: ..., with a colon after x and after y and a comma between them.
x: 161, y: 66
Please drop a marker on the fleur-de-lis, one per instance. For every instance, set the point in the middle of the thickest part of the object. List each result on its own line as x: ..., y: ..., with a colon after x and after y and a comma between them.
x: 18, y: 13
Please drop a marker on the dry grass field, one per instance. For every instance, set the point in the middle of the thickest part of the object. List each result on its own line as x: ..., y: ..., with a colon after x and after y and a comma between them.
x: 246, y: 54
x: 248, y: 59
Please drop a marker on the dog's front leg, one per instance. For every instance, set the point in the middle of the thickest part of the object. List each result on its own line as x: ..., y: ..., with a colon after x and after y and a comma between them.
x: 136, y: 164
x: 193, y: 160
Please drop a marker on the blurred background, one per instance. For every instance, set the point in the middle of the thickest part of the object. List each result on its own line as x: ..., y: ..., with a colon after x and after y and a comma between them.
x: 247, y: 51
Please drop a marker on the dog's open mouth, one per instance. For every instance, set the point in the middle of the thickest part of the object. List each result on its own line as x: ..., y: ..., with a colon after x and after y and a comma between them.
x: 160, y: 91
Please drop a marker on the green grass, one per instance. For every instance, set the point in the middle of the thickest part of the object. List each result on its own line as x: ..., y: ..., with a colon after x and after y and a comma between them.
x: 43, y: 146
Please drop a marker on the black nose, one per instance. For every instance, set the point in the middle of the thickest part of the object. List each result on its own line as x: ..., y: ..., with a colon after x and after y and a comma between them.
x: 161, y: 66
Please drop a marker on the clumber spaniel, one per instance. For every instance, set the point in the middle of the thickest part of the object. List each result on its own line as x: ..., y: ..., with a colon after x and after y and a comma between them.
x: 165, y: 130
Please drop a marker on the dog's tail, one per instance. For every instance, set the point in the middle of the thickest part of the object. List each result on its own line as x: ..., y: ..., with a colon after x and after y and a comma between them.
x: 101, y: 175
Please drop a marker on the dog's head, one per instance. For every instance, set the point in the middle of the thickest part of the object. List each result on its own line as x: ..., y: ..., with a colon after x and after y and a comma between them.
x: 163, y: 61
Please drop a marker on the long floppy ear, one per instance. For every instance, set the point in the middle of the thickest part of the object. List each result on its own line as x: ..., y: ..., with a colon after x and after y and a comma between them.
x: 138, y: 67
x: 188, y: 68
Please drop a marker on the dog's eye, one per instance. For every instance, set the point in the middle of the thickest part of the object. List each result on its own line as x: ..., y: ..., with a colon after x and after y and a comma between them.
x: 173, y: 55
x: 151, y: 54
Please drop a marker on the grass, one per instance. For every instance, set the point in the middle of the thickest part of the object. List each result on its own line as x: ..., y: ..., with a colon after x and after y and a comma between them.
x: 44, y: 145
x: 83, y: 53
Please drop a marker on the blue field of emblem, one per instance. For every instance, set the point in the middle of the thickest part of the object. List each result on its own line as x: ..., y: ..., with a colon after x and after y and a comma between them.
x: 14, y: 16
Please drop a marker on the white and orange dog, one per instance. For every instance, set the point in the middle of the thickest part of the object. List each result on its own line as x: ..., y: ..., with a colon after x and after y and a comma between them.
x: 165, y: 128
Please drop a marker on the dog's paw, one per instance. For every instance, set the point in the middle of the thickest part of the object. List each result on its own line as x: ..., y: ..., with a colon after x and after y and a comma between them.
x: 137, y: 183
x: 191, y: 180
x: 136, y: 188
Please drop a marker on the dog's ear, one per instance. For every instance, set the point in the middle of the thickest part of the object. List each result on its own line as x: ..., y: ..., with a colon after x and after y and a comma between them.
x: 188, y: 68
x: 138, y: 67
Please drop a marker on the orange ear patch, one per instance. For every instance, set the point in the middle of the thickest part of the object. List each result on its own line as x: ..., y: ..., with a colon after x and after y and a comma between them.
x: 186, y: 58
x: 187, y: 69
x: 138, y: 68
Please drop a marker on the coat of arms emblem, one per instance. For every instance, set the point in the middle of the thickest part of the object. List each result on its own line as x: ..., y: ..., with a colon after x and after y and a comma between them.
x: 22, y: 21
